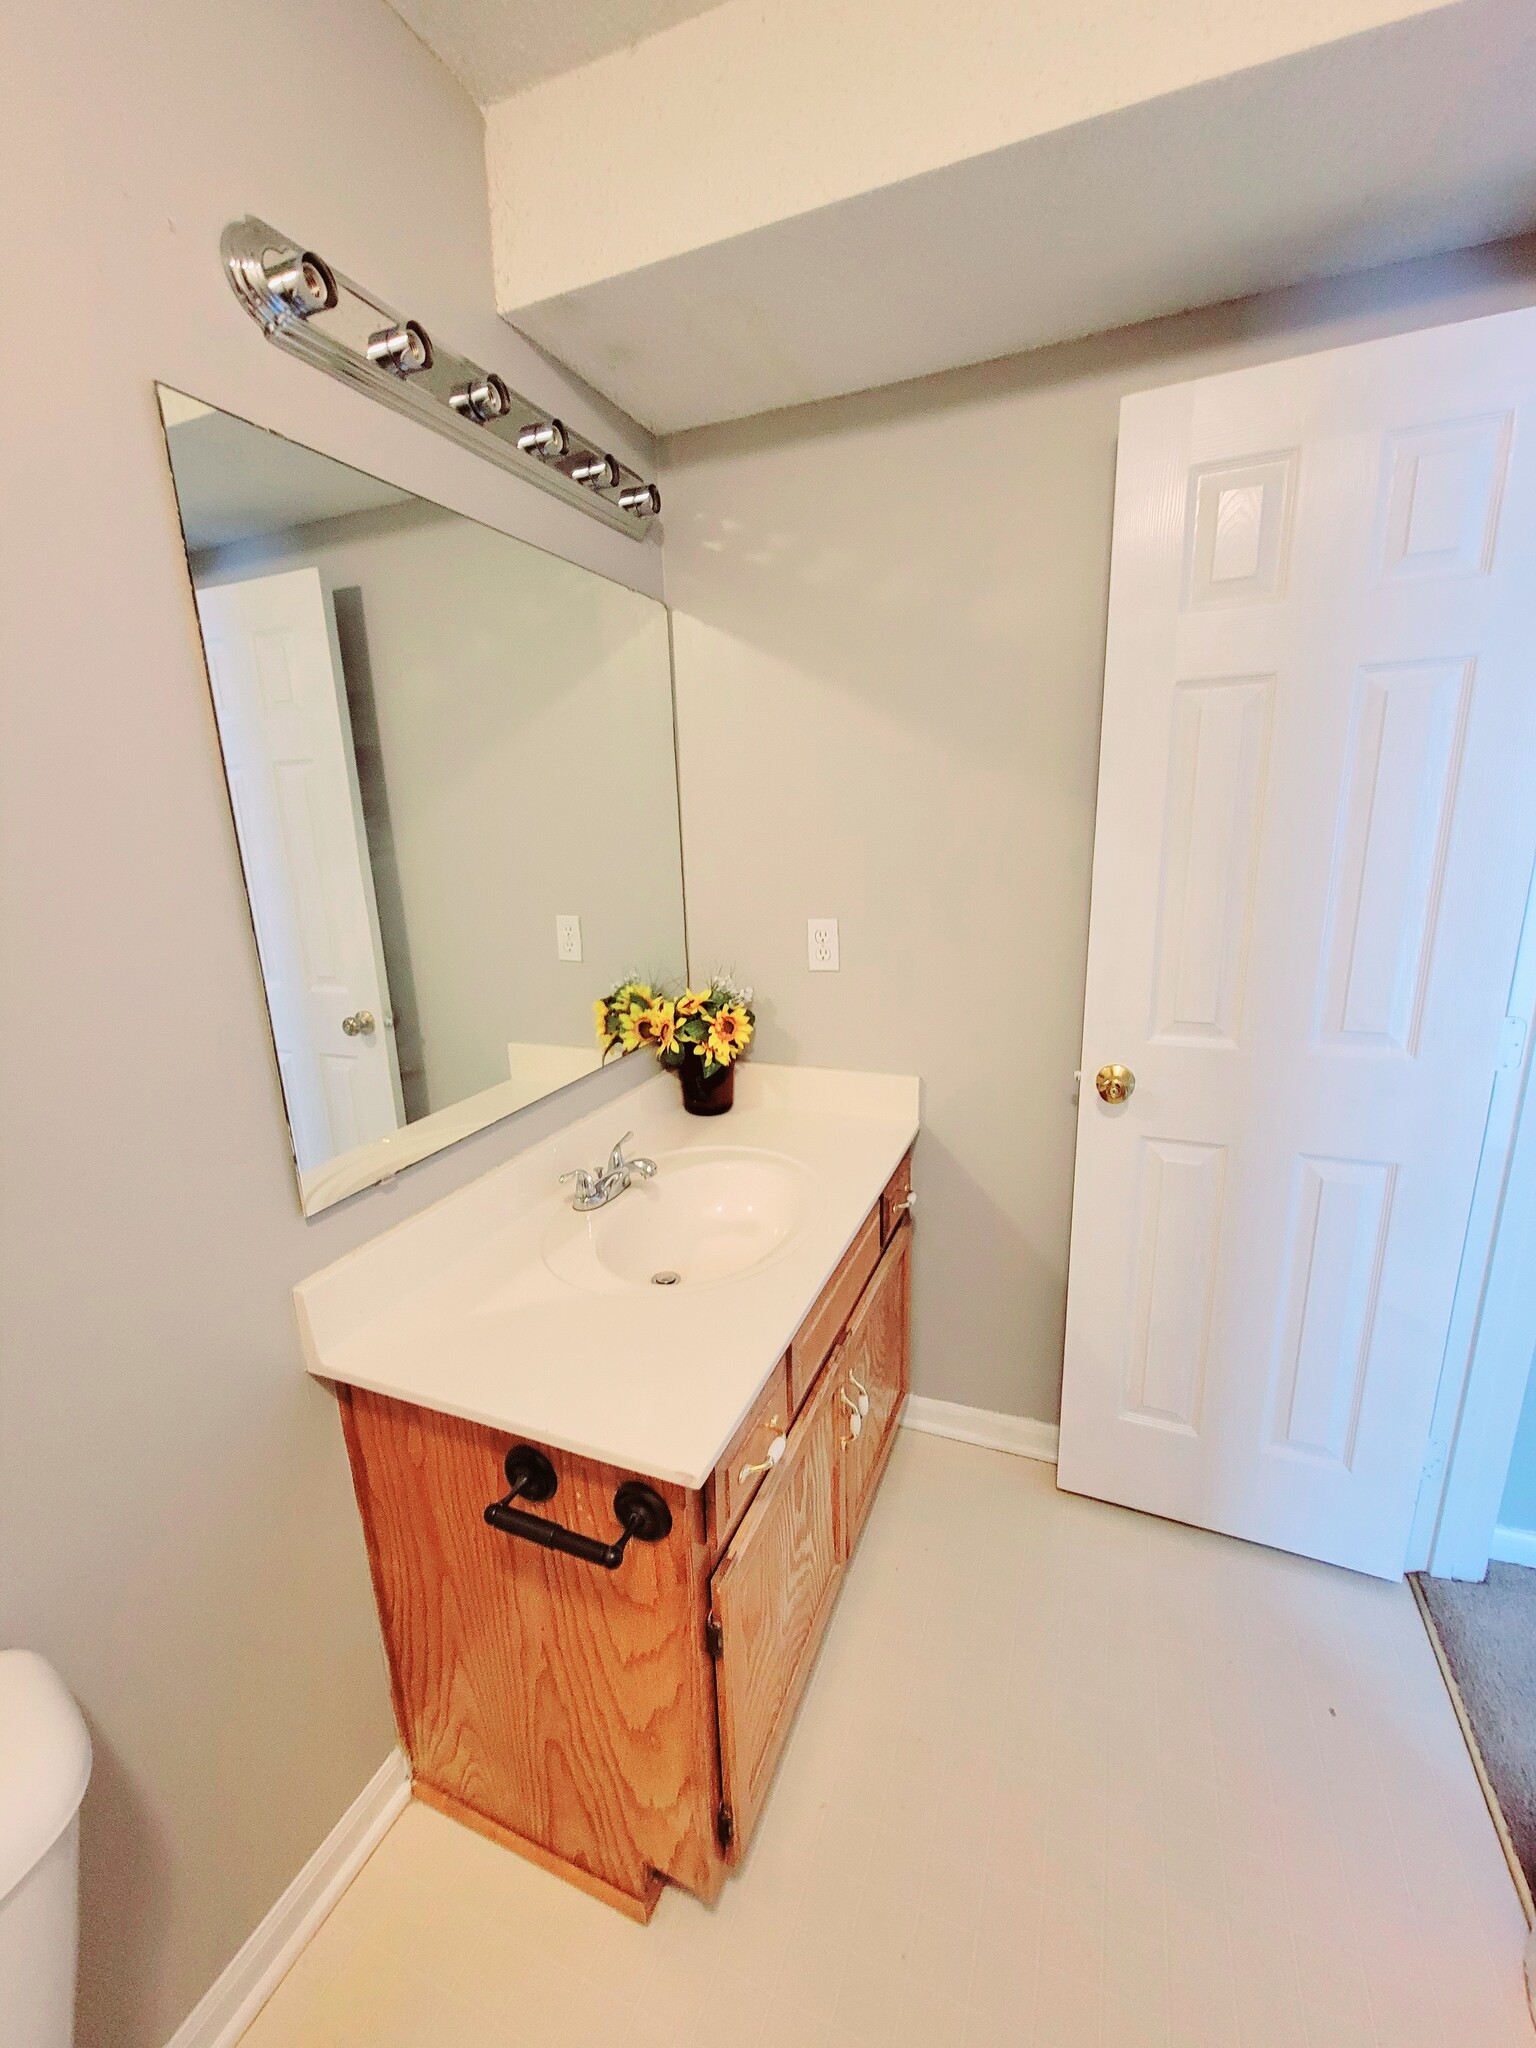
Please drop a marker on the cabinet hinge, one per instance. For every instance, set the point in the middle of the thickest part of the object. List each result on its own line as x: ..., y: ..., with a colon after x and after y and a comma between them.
x: 725, y: 1825
x: 713, y: 1642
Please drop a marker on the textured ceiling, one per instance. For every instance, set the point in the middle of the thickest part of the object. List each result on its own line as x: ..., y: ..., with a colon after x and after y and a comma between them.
x: 496, y: 47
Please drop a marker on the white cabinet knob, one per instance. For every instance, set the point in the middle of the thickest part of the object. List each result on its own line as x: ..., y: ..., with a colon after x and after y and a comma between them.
x: 775, y: 1451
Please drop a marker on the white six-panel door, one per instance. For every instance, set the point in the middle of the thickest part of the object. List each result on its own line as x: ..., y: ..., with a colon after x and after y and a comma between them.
x: 1316, y: 824
x: 288, y: 756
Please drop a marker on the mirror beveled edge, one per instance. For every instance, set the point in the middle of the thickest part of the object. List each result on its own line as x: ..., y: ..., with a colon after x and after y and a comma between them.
x: 360, y: 1167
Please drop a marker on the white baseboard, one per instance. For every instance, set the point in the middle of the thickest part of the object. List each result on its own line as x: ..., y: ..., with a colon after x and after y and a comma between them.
x: 1019, y: 1434
x: 1513, y: 1546
x: 235, y: 1997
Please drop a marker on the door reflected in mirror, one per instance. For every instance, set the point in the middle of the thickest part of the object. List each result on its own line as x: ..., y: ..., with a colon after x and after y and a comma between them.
x: 450, y: 764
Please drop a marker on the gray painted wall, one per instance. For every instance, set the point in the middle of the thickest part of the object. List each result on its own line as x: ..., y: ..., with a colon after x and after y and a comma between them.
x: 177, y: 1529
x: 889, y: 647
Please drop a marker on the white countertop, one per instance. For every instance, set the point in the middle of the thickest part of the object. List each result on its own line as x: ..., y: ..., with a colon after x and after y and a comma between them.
x: 457, y: 1309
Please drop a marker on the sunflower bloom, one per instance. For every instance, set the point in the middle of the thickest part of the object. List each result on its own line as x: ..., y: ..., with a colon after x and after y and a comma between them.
x: 730, y: 1033
x: 656, y: 1026
x: 692, y: 1004
x: 600, y: 1019
x: 629, y: 1030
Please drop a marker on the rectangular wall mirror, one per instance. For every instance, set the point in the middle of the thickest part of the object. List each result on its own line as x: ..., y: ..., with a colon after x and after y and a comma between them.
x: 451, y: 767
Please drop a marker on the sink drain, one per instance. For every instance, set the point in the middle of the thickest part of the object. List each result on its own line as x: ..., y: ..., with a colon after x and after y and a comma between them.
x: 665, y: 1279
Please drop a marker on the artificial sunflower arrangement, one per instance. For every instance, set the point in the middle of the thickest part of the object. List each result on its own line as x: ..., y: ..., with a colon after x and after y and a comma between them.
x: 635, y: 1015
x: 714, y: 1025
x: 699, y: 1035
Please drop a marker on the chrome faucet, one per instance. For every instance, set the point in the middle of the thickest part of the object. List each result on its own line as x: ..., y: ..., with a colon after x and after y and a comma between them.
x: 596, y: 1190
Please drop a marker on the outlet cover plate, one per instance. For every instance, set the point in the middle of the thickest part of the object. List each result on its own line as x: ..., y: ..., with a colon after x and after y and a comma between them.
x: 821, y: 950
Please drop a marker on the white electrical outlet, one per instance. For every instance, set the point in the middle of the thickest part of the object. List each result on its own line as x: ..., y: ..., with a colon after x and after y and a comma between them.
x: 821, y: 944
x: 567, y: 938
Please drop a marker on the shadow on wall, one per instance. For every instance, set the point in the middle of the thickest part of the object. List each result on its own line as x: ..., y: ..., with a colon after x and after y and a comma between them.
x: 941, y: 613
x: 126, y: 1869
x: 980, y: 1281
x: 988, y: 1303
x: 1028, y: 439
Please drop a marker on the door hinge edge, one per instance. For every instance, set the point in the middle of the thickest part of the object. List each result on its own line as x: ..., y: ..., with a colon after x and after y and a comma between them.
x: 1512, y: 1032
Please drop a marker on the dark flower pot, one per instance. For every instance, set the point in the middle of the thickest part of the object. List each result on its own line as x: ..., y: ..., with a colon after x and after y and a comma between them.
x: 706, y: 1098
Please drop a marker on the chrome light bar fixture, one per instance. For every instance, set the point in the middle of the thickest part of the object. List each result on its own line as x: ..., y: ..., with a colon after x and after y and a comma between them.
x: 303, y: 305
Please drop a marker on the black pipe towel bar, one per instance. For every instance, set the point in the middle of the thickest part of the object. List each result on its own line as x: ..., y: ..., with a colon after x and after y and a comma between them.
x: 530, y: 1476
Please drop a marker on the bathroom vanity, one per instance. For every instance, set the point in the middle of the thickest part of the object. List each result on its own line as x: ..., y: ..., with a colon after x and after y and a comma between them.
x: 694, y: 1393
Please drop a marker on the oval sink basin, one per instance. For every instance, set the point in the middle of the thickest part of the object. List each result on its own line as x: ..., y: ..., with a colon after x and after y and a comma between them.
x: 711, y: 1214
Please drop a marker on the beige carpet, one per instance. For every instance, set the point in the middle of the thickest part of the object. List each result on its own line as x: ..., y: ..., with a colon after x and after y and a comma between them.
x: 1487, y: 1638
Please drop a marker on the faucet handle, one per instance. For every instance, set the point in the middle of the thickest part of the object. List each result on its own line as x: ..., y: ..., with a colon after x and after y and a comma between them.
x: 617, y: 1163
x: 585, y: 1179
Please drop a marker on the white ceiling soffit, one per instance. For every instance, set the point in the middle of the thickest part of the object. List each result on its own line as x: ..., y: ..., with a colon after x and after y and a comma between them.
x: 718, y: 252
x: 496, y: 47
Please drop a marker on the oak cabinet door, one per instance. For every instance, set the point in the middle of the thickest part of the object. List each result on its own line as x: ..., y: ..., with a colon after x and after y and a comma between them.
x: 771, y: 1595
x: 870, y: 1372
x: 834, y: 1305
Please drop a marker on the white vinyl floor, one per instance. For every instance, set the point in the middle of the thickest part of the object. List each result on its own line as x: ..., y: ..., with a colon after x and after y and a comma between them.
x: 1066, y: 1777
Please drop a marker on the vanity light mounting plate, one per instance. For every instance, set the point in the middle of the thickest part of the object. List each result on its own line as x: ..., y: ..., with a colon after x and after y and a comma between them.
x: 254, y: 253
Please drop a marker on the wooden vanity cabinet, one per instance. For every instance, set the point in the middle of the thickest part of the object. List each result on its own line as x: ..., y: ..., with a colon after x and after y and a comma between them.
x: 769, y: 1601
x: 870, y: 1372
x: 621, y: 1728
x: 833, y: 1306
x: 774, y: 1589
x: 749, y: 1459
x: 896, y: 1202
x: 564, y: 1710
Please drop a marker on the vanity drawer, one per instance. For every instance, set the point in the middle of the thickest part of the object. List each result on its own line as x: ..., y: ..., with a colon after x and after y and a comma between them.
x: 896, y: 1200
x: 835, y: 1304
x: 734, y: 1480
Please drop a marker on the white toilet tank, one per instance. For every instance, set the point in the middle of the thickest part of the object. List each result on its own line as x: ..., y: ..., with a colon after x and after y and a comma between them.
x: 45, y: 1763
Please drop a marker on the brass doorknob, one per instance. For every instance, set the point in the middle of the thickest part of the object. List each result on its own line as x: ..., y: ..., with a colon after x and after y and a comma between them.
x: 1114, y: 1083
x: 358, y: 1024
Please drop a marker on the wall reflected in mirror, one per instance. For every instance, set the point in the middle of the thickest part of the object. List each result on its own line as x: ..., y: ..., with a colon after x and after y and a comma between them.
x: 451, y: 768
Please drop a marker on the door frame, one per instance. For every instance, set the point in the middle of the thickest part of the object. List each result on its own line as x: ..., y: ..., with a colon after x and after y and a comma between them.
x: 1492, y: 1336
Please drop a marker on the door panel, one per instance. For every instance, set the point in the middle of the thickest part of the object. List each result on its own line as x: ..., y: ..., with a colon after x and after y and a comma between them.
x: 770, y: 1597
x: 1181, y: 1203
x: 1215, y: 798
x: 1315, y: 834
x: 871, y: 1366
x: 1400, y: 787
x: 287, y: 743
